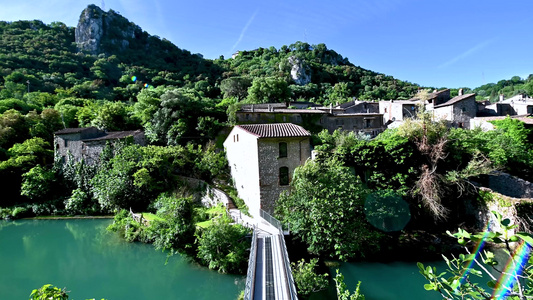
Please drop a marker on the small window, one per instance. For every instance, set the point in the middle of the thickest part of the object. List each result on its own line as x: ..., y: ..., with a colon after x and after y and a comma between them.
x: 368, y: 123
x: 66, y: 143
x: 283, y: 176
x: 282, y: 149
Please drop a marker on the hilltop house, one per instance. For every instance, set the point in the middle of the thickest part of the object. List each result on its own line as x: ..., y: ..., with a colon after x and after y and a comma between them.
x: 88, y: 143
x: 262, y: 158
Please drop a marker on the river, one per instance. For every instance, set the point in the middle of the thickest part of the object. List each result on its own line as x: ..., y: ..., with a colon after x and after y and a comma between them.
x: 93, y: 263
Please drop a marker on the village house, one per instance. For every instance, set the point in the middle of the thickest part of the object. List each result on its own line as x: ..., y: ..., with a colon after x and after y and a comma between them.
x: 457, y: 110
x: 519, y: 104
x: 396, y: 111
x: 262, y: 159
x: 88, y: 143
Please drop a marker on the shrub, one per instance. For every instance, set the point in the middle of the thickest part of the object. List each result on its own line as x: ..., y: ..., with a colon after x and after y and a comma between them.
x: 20, y: 212
x: 223, y: 247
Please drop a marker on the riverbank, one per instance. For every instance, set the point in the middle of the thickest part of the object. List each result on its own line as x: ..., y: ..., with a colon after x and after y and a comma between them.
x: 67, y: 217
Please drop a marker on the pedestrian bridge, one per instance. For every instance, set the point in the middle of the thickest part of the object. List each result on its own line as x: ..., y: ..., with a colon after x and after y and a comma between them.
x: 269, y: 271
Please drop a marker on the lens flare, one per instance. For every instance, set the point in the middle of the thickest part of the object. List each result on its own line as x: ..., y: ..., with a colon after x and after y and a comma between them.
x: 477, y: 253
x: 133, y: 78
x: 146, y: 85
x: 514, y: 267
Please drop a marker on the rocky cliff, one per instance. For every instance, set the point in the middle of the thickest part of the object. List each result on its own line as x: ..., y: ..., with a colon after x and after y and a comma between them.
x: 300, y: 72
x: 99, y: 31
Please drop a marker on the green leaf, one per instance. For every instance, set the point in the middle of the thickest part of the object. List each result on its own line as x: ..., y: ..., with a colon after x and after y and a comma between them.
x: 429, y: 287
x: 506, y: 222
x: 492, y: 284
x: 528, y: 238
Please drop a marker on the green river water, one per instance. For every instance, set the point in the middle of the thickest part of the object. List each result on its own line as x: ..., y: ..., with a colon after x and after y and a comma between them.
x: 93, y: 263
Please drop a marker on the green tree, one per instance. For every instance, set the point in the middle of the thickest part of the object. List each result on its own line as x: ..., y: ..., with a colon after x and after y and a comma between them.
x: 236, y: 87
x: 49, y: 292
x: 38, y: 183
x: 268, y: 89
x: 306, y: 279
x: 325, y: 210
x: 223, y: 247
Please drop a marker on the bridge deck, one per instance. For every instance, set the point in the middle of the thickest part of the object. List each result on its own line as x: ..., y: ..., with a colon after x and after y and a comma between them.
x: 271, y: 281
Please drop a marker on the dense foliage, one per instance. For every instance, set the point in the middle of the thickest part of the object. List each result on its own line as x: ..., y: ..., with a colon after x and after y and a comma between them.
x: 508, y: 88
x: 182, y: 226
x: 325, y: 210
x: 306, y: 279
x: 419, y: 176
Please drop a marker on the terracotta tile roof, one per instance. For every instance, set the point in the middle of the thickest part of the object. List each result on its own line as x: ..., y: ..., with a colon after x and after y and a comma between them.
x: 275, y: 130
x: 455, y: 100
x: 115, y: 135
x: 72, y: 130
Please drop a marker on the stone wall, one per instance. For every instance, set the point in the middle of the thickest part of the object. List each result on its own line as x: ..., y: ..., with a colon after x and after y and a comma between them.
x: 511, y: 186
x: 298, y: 151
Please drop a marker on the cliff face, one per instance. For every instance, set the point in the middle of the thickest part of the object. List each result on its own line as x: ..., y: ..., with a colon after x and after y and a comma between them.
x: 99, y: 31
x: 300, y: 72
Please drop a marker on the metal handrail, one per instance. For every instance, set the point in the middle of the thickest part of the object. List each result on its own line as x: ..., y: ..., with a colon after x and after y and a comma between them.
x: 290, y: 280
x: 270, y: 219
x: 250, y: 274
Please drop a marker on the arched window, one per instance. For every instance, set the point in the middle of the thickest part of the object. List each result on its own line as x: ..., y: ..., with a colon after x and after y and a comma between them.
x: 282, y: 149
x: 283, y: 176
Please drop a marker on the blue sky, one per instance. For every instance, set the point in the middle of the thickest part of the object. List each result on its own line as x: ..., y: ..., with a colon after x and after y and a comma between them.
x: 430, y: 42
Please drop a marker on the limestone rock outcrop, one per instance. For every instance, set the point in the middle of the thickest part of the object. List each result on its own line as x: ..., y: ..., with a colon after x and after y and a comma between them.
x: 98, y: 30
x: 300, y: 71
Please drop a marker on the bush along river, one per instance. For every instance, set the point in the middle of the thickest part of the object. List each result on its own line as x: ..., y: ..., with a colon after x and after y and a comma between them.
x: 90, y: 262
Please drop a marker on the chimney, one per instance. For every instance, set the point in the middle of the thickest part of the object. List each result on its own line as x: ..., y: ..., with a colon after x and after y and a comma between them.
x: 501, y: 97
x: 252, y: 108
x: 460, y: 92
x: 331, y: 108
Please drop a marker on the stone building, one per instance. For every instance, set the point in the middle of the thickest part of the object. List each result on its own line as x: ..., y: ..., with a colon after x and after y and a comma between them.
x: 88, y: 143
x: 458, y: 111
x: 262, y: 159
x: 396, y: 111
x: 353, y: 116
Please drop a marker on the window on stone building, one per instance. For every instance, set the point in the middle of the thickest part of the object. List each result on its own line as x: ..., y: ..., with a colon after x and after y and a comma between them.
x: 283, y: 176
x: 282, y: 149
x: 66, y: 143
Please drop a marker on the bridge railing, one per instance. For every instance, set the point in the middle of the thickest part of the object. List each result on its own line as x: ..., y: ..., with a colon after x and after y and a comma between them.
x: 286, y: 262
x: 250, y: 276
x: 270, y: 219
